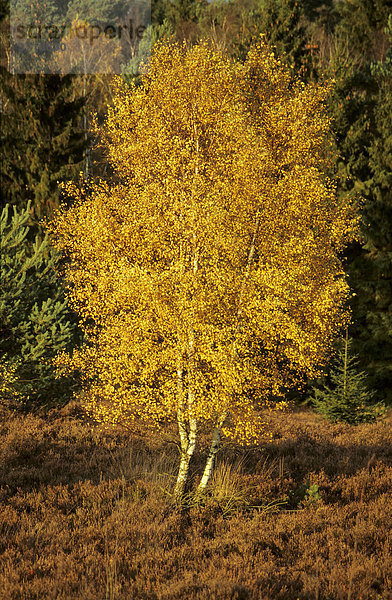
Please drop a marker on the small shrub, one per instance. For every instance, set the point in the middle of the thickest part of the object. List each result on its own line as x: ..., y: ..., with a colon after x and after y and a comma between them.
x: 347, y: 399
x: 303, y: 495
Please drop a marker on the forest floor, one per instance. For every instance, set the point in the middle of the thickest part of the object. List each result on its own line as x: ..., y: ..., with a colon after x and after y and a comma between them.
x: 86, y: 514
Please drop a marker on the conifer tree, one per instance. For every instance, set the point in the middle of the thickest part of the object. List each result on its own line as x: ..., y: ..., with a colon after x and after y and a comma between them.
x: 374, y: 275
x: 347, y: 398
x: 363, y: 106
x: 355, y: 103
x: 181, y: 15
x: 207, y: 272
x: 236, y: 24
x: 284, y: 25
x: 42, y: 138
x: 361, y: 23
x: 35, y: 321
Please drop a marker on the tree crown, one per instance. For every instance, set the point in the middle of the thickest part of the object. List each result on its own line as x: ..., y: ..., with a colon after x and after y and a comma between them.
x: 214, y: 249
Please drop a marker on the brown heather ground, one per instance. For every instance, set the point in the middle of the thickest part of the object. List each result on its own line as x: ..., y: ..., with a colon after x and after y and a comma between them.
x: 86, y: 515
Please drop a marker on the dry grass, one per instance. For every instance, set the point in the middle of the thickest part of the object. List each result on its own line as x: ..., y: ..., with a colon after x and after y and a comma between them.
x: 86, y: 514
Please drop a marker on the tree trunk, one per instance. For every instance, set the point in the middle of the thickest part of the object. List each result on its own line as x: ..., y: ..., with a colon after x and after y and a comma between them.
x: 188, y: 440
x: 182, y: 477
x: 215, y: 443
x: 186, y: 455
x: 216, y: 437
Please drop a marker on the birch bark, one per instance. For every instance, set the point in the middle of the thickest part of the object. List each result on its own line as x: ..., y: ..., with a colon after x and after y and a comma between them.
x: 188, y: 436
x: 216, y: 436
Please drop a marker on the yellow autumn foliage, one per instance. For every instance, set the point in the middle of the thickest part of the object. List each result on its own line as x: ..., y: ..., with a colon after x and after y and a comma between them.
x: 206, y: 272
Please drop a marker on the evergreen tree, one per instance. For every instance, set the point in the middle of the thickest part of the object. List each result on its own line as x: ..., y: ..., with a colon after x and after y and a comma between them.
x: 181, y: 12
x: 182, y: 17
x: 362, y: 119
x: 347, y: 397
x: 374, y: 282
x: 35, y: 322
x: 42, y: 138
x: 284, y: 25
x: 361, y: 23
x: 236, y: 24
x: 95, y: 11
x: 152, y: 35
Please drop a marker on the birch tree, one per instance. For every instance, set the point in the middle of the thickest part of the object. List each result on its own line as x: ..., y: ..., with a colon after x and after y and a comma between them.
x: 207, y: 271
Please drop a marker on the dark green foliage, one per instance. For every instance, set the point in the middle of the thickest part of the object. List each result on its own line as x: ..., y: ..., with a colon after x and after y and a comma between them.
x: 377, y: 339
x: 237, y: 24
x: 179, y: 11
x: 361, y: 23
x: 361, y: 108
x: 367, y: 147
x: 179, y: 16
x: 303, y: 495
x: 347, y: 397
x: 35, y: 321
x: 319, y: 10
x: 352, y: 109
x: 283, y: 23
x: 42, y: 138
x: 4, y: 9
x: 152, y: 35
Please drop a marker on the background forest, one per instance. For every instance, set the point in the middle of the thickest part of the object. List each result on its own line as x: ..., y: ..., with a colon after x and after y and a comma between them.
x: 47, y: 138
x: 305, y: 513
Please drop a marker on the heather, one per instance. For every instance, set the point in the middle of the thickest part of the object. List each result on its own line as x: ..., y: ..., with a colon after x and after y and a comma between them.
x: 87, y: 513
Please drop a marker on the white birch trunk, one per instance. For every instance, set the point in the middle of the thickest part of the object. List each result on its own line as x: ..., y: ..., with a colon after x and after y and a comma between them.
x: 188, y: 440
x: 215, y: 443
x: 182, y: 476
x: 216, y: 436
x: 188, y: 445
x: 183, y: 433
